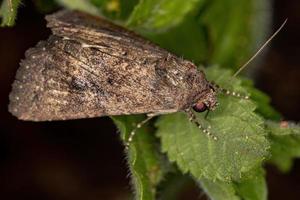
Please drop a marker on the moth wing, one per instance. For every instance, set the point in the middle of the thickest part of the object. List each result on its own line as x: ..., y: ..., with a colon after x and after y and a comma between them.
x: 101, y: 33
x: 69, y: 77
x: 171, y: 73
x: 59, y: 79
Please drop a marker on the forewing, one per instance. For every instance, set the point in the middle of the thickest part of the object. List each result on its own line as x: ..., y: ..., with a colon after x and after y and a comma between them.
x: 100, y: 32
x: 69, y: 77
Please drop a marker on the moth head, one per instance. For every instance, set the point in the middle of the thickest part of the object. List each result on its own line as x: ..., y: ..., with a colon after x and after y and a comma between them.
x: 207, y: 102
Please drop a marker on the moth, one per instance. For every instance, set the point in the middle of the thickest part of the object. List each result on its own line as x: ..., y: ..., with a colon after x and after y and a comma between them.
x: 90, y: 67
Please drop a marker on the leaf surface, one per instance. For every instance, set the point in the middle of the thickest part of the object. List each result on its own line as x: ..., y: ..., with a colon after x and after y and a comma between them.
x: 158, y: 15
x: 254, y: 188
x: 8, y: 12
x: 241, y: 143
x: 146, y: 164
x: 285, y: 143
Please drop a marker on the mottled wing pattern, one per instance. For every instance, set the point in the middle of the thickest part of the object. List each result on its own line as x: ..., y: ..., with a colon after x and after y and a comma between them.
x: 91, y: 68
x: 97, y: 31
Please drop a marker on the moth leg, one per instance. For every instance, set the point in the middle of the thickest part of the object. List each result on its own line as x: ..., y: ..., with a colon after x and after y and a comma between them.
x: 162, y: 112
x: 227, y: 92
x: 193, y: 119
x: 206, y: 114
x: 133, y: 132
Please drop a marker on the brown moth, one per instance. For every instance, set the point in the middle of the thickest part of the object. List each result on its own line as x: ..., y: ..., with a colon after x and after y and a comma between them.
x: 90, y: 67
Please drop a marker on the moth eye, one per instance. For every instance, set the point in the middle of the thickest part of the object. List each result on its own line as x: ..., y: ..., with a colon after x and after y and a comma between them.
x: 200, y: 107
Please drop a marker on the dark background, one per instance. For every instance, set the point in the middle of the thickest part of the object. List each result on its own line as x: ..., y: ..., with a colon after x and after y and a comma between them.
x: 83, y: 159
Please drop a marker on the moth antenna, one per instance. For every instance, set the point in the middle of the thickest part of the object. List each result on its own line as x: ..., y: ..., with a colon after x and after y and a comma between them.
x: 133, y: 132
x: 228, y: 92
x: 193, y: 119
x: 260, y: 49
x: 236, y: 94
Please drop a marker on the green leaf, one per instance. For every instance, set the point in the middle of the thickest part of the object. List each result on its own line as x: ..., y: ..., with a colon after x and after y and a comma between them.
x: 159, y: 15
x: 241, y: 144
x: 254, y: 188
x: 127, y: 7
x: 285, y: 144
x: 82, y: 5
x: 146, y: 164
x: 283, y: 128
x: 235, y: 29
x: 217, y: 190
x: 115, y: 9
x: 8, y: 12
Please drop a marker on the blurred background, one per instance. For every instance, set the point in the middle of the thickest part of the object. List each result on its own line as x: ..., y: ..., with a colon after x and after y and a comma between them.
x: 84, y: 158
